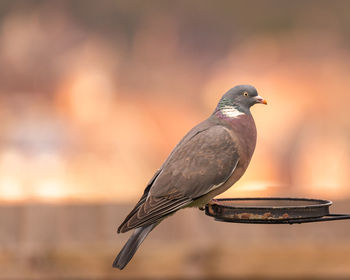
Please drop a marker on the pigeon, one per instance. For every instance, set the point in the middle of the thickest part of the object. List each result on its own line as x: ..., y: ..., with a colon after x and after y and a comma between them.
x: 209, y: 159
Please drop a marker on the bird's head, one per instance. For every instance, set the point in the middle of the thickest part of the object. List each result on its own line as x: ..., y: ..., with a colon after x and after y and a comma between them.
x: 241, y: 97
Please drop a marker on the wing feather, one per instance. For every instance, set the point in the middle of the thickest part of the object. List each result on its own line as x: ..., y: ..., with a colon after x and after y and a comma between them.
x: 141, y: 201
x: 162, y: 207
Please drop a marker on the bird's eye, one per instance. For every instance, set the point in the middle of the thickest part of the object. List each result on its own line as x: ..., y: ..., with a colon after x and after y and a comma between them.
x: 245, y: 93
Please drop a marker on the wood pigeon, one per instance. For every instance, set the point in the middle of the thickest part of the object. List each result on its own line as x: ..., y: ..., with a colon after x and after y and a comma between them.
x: 210, y: 158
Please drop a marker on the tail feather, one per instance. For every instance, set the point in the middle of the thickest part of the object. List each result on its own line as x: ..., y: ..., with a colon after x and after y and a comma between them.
x: 131, y: 246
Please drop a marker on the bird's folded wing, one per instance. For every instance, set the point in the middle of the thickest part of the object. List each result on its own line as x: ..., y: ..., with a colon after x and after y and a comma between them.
x: 198, y: 165
x: 194, y: 168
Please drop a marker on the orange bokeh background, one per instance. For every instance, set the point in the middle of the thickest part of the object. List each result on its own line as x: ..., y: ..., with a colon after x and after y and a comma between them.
x: 90, y: 109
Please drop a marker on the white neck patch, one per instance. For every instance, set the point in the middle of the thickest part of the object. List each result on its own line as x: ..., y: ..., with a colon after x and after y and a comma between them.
x: 231, y: 112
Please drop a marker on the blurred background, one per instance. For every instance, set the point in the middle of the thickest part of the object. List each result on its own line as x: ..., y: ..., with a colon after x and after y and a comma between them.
x: 95, y: 94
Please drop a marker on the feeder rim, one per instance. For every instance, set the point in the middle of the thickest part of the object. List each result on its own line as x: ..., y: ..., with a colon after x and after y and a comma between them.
x: 320, y: 202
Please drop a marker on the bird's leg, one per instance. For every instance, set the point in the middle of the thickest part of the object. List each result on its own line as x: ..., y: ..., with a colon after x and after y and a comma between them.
x: 202, y: 208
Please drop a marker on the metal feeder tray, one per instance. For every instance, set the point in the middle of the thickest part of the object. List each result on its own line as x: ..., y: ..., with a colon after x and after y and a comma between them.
x: 271, y: 210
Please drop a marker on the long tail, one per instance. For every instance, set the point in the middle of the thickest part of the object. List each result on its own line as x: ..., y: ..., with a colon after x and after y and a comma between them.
x: 131, y: 246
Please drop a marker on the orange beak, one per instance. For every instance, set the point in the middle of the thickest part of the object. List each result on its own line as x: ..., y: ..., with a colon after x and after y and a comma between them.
x: 260, y: 100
